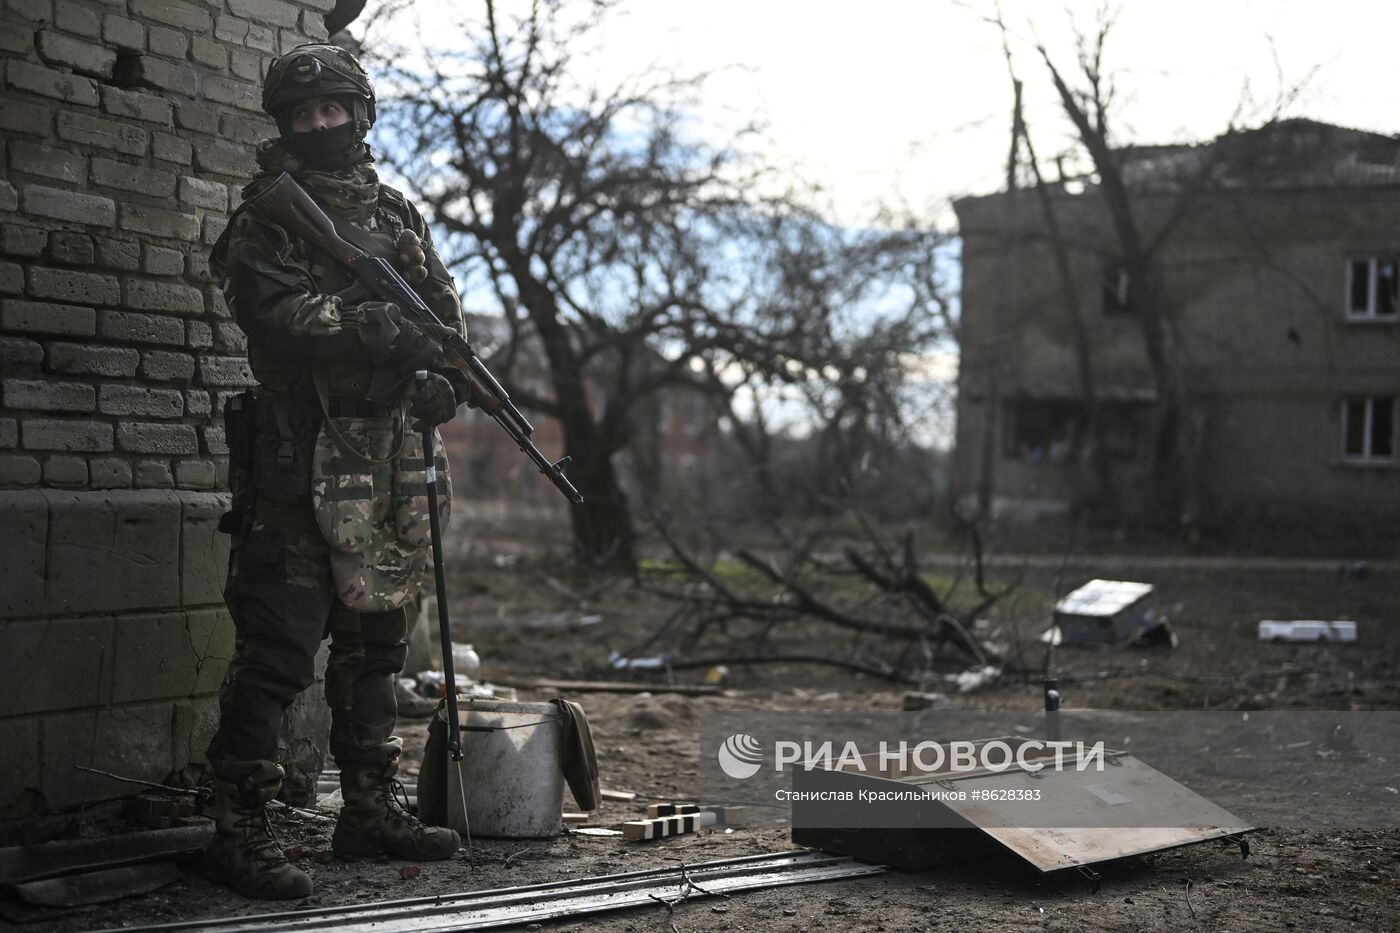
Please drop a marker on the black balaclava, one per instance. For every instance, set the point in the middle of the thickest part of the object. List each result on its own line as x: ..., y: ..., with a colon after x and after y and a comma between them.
x: 334, y: 149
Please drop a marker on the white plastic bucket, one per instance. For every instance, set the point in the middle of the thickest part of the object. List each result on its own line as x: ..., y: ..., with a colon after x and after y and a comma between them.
x: 511, y: 776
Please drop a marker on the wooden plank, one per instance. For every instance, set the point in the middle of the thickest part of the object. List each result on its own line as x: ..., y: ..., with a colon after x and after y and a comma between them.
x: 1116, y: 810
x: 655, y: 810
x: 640, y: 830
x: 1127, y: 808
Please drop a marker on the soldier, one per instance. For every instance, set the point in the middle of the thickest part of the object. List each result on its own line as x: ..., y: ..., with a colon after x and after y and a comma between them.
x: 328, y: 532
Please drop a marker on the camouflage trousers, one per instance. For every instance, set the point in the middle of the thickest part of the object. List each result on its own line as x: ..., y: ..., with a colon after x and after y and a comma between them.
x: 283, y: 600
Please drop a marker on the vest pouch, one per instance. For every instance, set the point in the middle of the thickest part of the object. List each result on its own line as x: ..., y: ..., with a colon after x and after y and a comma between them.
x: 351, y: 498
x: 411, y: 491
x: 354, y: 503
x: 283, y: 442
x: 386, y: 576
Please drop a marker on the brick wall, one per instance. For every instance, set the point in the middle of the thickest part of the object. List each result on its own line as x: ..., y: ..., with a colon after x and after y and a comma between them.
x: 128, y: 128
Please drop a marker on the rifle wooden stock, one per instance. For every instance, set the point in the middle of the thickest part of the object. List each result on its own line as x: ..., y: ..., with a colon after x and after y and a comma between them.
x: 286, y: 203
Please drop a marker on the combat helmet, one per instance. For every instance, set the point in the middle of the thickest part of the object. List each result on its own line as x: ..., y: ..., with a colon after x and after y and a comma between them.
x: 317, y: 69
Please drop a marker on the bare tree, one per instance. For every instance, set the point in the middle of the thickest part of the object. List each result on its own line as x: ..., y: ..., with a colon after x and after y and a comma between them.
x: 636, y: 256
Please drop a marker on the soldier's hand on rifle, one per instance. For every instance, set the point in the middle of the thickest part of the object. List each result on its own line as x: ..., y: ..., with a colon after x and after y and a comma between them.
x: 433, y: 402
x: 418, y: 346
x: 413, y: 261
x: 460, y: 386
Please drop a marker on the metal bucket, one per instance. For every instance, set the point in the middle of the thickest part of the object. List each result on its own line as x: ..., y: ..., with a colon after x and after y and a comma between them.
x: 512, y: 778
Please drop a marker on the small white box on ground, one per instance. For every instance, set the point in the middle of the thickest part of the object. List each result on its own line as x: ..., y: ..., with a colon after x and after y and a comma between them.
x: 1306, y: 630
x: 1105, y: 613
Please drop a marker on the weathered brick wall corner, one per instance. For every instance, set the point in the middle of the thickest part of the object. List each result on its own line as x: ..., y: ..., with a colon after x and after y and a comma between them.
x: 126, y: 130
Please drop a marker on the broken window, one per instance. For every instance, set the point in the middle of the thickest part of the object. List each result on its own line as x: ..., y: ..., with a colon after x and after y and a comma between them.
x: 1372, y: 288
x: 1368, y: 429
x: 1115, y: 290
x: 1055, y: 431
x: 1044, y: 432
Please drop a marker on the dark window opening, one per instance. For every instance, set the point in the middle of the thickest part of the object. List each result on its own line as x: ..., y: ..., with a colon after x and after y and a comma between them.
x: 1057, y: 431
x: 1385, y: 288
x: 1373, y: 288
x: 1368, y: 429
x: 1115, y: 291
x: 1382, y: 427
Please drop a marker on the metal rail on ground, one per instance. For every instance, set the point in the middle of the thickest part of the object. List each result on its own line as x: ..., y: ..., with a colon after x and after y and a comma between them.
x: 481, y: 910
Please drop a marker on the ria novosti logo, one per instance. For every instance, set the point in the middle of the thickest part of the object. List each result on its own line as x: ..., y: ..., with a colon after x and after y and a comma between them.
x: 740, y: 756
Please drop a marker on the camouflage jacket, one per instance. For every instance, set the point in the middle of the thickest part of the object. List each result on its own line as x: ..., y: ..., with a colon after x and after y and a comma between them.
x: 281, y: 290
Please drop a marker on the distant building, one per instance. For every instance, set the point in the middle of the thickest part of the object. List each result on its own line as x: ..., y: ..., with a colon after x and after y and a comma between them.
x: 1281, y: 274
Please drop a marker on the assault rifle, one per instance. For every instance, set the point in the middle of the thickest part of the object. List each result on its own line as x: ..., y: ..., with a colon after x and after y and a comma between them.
x: 286, y: 203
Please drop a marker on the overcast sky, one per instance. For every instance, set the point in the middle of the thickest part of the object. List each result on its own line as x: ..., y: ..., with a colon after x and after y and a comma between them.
x: 910, y: 98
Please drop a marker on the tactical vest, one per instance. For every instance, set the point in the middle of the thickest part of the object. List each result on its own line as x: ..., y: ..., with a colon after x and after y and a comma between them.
x: 350, y: 379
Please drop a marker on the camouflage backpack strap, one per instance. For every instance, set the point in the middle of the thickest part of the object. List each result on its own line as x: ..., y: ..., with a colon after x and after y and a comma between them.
x: 343, y: 443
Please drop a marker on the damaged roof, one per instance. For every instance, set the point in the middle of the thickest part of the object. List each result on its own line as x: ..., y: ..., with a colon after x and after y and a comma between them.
x: 1294, y: 153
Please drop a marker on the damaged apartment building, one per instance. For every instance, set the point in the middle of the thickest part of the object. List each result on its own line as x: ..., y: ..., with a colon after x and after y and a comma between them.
x: 129, y: 127
x: 1275, y: 264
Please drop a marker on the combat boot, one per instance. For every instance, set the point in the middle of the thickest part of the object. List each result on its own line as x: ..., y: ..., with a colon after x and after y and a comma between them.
x: 244, y: 855
x: 374, y: 822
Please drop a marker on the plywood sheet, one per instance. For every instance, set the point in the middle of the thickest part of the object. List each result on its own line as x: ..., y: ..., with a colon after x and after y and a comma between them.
x: 1128, y: 808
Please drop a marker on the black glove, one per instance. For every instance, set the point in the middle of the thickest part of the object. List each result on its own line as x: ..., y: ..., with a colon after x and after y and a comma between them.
x: 460, y: 386
x: 418, y: 346
x: 433, y: 403
x: 378, y: 325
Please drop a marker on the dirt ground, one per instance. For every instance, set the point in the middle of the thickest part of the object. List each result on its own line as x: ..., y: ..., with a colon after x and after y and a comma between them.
x: 527, y: 623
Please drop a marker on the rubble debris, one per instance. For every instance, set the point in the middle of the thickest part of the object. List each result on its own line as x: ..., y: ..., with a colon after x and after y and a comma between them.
x: 1340, y: 745
x: 1354, y: 570
x: 409, y: 872
x: 916, y: 700
x: 658, y: 662
x: 410, y: 702
x: 625, y: 796
x: 1307, y: 630
x: 160, y: 811
x: 974, y: 678
x: 717, y: 674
